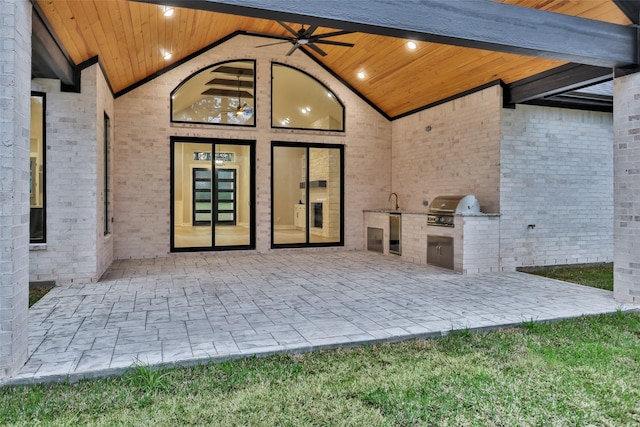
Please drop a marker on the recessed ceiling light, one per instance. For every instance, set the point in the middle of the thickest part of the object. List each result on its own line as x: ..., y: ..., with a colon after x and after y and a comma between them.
x: 361, y: 75
x: 412, y: 45
x: 166, y: 55
x: 168, y: 11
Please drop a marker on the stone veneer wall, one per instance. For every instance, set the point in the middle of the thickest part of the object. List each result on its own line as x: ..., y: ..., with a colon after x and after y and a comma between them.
x: 76, y: 249
x: 142, y: 148
x: 556, y: 174
x: 452, y: 148
x: 627, y: 188
x: 15, y: 73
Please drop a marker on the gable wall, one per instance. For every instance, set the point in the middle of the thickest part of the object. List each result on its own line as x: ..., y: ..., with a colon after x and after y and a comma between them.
x: 142, y: 150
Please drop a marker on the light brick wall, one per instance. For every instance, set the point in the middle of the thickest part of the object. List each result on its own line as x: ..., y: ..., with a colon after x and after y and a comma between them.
x: 556, y: 174
x: 142, y: 149
x: 627, y: 188
x: 104, y: 249
x: 460, y: 154
x: 76, y: 250
x: 15, y: 73
x: 414, y: 238
x: 480, y: 243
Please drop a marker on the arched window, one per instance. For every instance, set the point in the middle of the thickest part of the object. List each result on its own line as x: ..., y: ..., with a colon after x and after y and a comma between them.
x: 299, y: 101
x: 223, y: 93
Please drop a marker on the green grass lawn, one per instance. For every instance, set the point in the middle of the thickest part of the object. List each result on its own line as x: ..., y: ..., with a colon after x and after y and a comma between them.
x: 572, y: 373
x: 575, y: 372
x: 596, y: 276
x: 37, y: 292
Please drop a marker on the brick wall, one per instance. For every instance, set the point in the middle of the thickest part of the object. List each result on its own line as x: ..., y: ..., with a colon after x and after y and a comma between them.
x: 104, y: 100
x: 453, y: 148
x: 76, y: 249
x: 15, y: 72
x: 141, y: 156
x: 627, y: 188
x: 556, y: 175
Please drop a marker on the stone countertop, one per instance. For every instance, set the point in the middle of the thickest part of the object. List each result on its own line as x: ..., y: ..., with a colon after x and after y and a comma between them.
x: 387, y: 211
x: 396, y: 211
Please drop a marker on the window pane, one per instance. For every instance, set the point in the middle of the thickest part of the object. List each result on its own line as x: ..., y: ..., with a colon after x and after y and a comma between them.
x: 289, y: 195
x: 37, y: 171
x: 191, y: 197
x: 324, y: 195
x: 300, y: 101
x: 221, y: 94
x: 225, y: 217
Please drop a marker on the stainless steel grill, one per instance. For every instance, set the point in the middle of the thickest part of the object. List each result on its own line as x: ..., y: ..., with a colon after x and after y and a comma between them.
x: 443, y: 209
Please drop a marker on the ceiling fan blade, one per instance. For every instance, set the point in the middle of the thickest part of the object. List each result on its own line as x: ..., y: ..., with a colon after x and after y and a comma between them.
x: 293, y: 49
x: 316, y: 49
x: 333, y: 34
x: 333, y: 43
x: 288, y: 28
x: 308, y: 32
x: 273, y: 44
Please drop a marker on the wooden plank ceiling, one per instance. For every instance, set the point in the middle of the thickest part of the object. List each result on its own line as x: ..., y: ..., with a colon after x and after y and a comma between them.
x: 130, y: 38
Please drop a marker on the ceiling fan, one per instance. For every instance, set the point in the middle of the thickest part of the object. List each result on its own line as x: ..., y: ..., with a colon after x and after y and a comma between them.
x: 304, y: 37
x: 242, y: 107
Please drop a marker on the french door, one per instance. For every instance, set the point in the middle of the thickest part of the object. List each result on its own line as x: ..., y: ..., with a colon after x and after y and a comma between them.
x: 212, y: 194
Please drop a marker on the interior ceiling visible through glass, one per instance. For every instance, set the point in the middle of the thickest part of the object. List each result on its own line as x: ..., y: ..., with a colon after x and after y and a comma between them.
x: 221, y: 94
x: 299, y: 101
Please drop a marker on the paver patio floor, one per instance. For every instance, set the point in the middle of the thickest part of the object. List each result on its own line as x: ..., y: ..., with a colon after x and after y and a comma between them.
x: 188, y: 309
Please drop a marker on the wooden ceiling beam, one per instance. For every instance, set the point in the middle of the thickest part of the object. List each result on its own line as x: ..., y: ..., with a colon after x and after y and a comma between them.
x: 475, y: 24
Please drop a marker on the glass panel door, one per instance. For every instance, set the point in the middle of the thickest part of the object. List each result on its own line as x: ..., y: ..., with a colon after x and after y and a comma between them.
x: 325, y: 195
x: 202, y: 197
x: 212, y: 195
x: 226, y: 196
x: 307, y: 195
x: 289, y: 195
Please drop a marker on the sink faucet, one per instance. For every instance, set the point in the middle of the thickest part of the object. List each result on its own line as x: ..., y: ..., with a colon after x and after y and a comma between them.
x: 394, y: 194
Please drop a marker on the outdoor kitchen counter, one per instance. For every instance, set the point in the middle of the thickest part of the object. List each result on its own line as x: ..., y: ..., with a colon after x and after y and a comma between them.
x: 388, y: 211
x: 475, y: 235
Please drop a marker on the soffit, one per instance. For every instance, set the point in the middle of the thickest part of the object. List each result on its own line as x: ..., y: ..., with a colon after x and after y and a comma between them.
x: 130, y: 39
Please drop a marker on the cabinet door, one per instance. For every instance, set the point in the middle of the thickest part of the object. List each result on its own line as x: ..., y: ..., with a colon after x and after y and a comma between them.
x: 440, y: 251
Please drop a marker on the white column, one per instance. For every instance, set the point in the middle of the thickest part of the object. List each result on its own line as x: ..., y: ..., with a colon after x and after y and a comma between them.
x: 626, y: 152
x: 15, y: 77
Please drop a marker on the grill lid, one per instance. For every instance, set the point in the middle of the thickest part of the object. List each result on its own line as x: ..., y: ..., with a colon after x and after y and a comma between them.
x: 450, y: 205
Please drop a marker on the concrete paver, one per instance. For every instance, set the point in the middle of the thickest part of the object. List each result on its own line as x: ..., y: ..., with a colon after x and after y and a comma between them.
x: 187, y: 309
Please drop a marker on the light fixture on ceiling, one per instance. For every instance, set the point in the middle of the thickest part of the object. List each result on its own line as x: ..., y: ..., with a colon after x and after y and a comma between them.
x: 361, y: 75
x: 168, y: 11
x: 166, y: 55
x: 412, y: 45
x: 241, y: 105
x: 219, y: 161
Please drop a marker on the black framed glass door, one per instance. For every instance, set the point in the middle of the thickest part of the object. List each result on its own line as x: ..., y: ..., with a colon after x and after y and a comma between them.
x: 212, y: 194
x: 307, y: 202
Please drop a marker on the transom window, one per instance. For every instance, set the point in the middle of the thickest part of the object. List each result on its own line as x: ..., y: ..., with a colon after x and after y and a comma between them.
x: 223, y: 93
